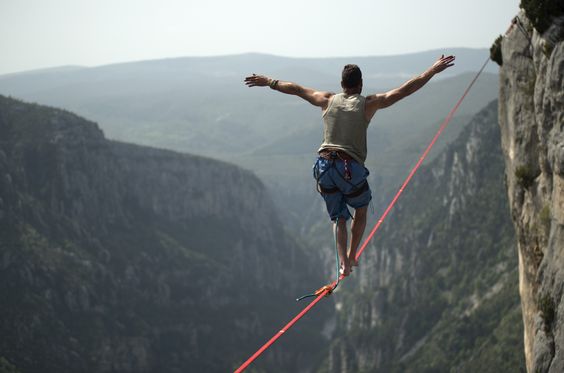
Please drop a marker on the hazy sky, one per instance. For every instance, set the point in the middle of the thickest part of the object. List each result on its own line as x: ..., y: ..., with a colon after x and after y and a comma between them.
x: 44, y: 33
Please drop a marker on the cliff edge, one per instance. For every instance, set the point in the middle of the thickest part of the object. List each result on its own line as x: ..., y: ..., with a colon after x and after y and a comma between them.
x: 531, y: 118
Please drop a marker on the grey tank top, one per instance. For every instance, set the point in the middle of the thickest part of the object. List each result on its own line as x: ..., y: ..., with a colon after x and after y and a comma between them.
x: 344, y: 126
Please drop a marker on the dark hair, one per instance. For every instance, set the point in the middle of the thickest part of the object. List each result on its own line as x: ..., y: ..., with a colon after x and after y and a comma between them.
x: 351, y: 76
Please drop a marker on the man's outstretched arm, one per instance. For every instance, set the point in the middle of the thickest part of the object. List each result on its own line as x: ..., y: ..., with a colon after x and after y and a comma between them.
x: 383, y: 100
x: 316, y: 98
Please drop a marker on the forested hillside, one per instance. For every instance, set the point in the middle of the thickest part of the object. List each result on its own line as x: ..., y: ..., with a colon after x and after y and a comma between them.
x: 437, y: 290
x: 122, y: 258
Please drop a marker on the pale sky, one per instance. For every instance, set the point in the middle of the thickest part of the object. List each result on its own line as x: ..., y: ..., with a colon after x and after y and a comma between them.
x: 47, y: 33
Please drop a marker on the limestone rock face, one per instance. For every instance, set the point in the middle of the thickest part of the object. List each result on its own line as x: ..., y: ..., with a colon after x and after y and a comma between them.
x: 531, y: 118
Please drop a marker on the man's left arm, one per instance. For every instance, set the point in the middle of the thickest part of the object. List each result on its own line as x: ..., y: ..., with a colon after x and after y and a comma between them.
x: 383, y: 100
x: 316, y: 98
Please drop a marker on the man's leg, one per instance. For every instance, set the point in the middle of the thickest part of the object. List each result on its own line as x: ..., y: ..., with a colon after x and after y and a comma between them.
x: 357, y: 230
x: 325, y: 173
x: 341, y: 227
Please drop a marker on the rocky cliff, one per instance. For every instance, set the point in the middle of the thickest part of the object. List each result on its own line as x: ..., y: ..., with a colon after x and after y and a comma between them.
x: 437, y: 290
x: 122, y: 258
x: 531, y: 118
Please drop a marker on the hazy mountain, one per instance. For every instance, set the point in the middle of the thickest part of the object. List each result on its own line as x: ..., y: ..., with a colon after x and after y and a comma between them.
x: 437, y: 290
x: 116, y: 257
x: 200, y: 105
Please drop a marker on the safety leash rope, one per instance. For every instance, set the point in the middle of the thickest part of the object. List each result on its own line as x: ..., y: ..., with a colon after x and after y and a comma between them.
x: 326, y: 290
x: 330, y: 287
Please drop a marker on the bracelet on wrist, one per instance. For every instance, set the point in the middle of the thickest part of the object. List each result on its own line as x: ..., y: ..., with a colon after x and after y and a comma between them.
x: 273, y: 84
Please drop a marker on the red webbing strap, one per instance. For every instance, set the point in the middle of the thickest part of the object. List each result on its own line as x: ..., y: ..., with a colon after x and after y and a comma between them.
x: 281, y: 331
x: 372, y: 232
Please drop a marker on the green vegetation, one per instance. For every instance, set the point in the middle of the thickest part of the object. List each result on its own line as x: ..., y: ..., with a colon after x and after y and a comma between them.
x: 547, y: 309
x: 525, y: 176
x: 547, y: 49
x: 6, y: 367
x: 106, y: 258
x: 493, y: 353
x: 529, y: 87
x: 542, y: 12
x: 495, y: 51
x: 483, y: 341
x: 545, y: 216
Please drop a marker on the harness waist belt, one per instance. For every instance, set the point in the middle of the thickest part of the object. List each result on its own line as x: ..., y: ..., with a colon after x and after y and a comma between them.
x: 339, y: 154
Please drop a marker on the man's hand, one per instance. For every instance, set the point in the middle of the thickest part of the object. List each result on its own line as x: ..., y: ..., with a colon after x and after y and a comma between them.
x: 312, y: 96
x: 383, y: 100
x: 442, y: 63
x: 257, y: 81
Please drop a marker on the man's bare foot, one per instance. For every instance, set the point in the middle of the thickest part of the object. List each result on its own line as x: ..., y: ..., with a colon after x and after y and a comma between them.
x: 345, y: 269
x: 353, y: 263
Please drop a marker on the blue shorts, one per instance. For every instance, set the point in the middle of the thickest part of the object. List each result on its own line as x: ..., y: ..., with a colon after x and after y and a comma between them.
x: 337, y: 191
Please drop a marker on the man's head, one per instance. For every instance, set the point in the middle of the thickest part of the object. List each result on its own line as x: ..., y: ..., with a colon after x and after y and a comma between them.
x: 351, y: 79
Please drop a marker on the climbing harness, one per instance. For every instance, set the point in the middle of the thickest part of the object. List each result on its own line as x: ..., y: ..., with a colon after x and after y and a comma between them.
x: 328, y: 289
x: 333, y: 156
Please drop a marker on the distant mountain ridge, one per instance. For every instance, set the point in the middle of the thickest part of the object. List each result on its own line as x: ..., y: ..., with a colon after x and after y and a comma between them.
x: 199, y: 105
x: 196, y: 104
x: 239, y: 63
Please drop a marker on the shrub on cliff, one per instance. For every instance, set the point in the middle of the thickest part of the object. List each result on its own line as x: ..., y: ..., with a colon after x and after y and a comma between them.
x: 525, y: 175
x: 6, y: 367
x: 541, y: 12
x: 495, y: 51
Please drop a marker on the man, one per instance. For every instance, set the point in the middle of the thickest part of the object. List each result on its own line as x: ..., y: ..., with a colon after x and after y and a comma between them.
x: 339, y: 170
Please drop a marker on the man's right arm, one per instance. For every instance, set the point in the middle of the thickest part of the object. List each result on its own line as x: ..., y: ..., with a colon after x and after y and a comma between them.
x: 316, y: 98
x: 383, y: 100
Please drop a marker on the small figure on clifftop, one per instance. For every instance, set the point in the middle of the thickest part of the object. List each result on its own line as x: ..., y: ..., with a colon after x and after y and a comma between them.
x: 339, y: 170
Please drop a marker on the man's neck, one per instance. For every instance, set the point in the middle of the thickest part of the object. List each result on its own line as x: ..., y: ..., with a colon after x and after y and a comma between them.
x: 351, y: 92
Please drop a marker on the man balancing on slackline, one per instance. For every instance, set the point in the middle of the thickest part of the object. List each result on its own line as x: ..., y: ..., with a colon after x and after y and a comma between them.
x: 339, y: 170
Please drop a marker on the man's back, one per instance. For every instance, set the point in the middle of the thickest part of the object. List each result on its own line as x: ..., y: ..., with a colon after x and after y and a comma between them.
x: 345, y: 125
